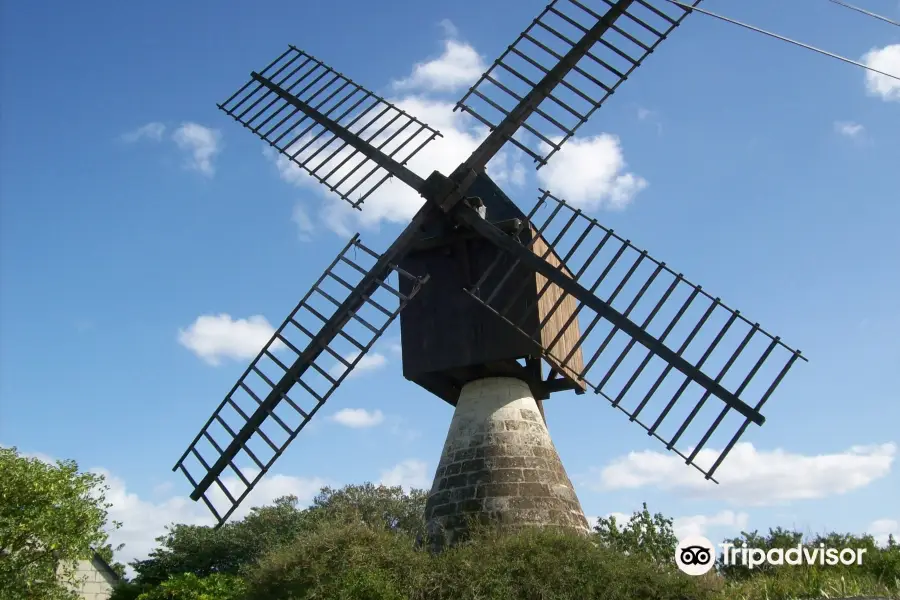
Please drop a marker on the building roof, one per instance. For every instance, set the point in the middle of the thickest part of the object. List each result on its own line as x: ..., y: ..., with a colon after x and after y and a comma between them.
x: 101, y: 565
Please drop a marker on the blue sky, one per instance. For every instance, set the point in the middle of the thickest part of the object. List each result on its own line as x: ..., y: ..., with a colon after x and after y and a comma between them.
x: 131, y: 207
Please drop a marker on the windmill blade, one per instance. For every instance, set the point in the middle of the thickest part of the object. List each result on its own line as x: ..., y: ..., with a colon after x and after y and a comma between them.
x: 561, y: 69
x: 251, y: 428
x: 655, y: 345
x: 340, y: 133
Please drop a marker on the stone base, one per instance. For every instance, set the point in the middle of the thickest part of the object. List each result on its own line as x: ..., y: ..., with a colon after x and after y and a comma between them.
x: 499, y: 466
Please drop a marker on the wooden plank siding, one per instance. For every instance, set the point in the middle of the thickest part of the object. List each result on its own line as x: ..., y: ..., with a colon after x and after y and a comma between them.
x: 558, y: 319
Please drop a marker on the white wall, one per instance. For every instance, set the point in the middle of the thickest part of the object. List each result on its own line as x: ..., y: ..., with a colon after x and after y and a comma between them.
x: 94, y: 582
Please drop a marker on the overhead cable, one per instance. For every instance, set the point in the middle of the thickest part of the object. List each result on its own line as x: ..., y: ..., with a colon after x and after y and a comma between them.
x: 783, y: 39
x: 866, y: 12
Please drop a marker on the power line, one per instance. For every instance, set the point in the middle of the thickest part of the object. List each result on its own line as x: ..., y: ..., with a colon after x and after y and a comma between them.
x: 866, y: 12
x: 783, y: 39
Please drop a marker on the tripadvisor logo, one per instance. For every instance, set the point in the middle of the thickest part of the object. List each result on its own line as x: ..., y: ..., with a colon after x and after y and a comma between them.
x: 796, y: 555
x: 696, y: 555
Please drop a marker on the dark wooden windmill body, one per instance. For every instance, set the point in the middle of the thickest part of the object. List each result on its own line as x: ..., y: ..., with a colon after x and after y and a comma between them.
x: 498, y: 308
x: 449, y: 340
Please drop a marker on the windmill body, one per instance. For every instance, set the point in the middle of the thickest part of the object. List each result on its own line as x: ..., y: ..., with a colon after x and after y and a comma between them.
x: 499, y: 466
x: 448, y: 340
x: 498, y: 308
x: 498, y: 462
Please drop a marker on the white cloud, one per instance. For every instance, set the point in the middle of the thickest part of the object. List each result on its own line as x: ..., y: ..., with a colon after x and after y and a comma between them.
x: 650, y: 116
x: 44, y: 458
x: 410, y: 473
x: 698, y: 525
x: 358, y: 418
x: 590, y: 173
x: 882, y: 528
x: 849, y: 129
x: 459, y: 65
x: 163, y: 488
x: 370, y: 362
x: 752, y: 477
x: 449, y: 29
x: 151, y: 131
x: 401, y: 427
x: 214, y: 337
x: 304, y: 224
x: 887, y: 60
x: 621, y: 519
x: 201, y: 143
x: 507, y: 169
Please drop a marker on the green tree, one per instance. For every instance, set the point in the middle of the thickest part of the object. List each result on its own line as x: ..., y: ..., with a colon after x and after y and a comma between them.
x: 51, y: 516
x: 107, y: 552
x: 204, y: 550
x: 187, y: 586
x: 644, y: 535
x: 377, y: 506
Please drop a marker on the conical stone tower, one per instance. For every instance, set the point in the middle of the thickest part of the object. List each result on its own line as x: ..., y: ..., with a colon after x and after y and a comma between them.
x: 499, y: 465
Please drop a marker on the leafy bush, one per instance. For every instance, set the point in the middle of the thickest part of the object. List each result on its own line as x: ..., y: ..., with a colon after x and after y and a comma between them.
x: 203, y: 550
x: 356, y: 561
x: 879, y: 573
x: 219, y: 586
x: 359, y: 543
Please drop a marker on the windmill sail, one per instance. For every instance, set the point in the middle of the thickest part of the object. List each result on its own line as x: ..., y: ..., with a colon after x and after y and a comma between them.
x: 296, y: 372
x: 675, y: 359
x: 563, y: 67
x: 301, y: 107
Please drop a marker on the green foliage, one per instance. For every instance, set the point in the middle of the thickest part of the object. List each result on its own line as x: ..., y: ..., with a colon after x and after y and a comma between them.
x: 359, y: 543
x: 130, y: 590
x: 787, y: 584
x: 777, y: 538
x: 379, y: 506
x: 106, y: 553
x: 879, y: 573
x: 355, y: 561
x: 650, y: 537
x: 218, y: 586
x: 50, y: 517
x: 204, y: 550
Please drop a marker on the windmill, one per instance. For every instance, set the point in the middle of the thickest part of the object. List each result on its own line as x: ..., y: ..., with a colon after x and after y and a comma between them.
x: 499, y: 309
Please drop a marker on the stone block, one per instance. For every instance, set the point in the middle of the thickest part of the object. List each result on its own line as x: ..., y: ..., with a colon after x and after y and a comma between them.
x: 475, y: 464
x: 479, y: 477
x: 507, y: 475
x: 499, y: 465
